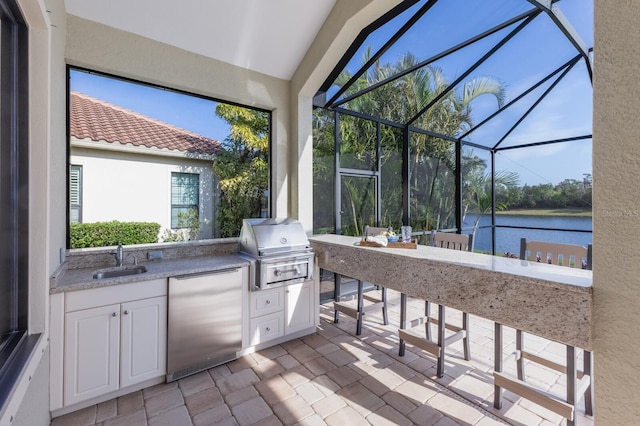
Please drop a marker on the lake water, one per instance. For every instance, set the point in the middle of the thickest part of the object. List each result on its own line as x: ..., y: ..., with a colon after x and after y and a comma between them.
x: 508, y: 240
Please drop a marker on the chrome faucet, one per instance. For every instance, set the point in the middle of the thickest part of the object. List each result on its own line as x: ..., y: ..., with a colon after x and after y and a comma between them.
x: 119, y: 255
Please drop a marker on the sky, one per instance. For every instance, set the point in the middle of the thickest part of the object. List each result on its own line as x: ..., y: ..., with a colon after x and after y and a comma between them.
x: 185, y: 111
x: 527, y: 58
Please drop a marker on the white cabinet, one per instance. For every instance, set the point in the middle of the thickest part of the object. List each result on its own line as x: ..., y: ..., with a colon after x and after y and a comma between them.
x: 267, y: 315
x: 143, y: 340
x: 116, y: 345
x: 281, y: 311
x: 299, y: 307
x: 91, y: 364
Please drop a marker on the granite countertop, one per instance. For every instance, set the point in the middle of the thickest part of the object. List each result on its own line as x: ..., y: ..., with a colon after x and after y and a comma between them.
x: 64, y: 279
x: 542, y: 272
x: 547, y: 300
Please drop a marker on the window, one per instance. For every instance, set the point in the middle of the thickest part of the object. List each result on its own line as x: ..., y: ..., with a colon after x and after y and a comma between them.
x: 153, y: 157
x: 185, y: 189
x: 14, y: 196
x: 75, y: 194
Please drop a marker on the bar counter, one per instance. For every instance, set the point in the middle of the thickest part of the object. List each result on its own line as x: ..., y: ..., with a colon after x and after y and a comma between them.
x: 551, y: 301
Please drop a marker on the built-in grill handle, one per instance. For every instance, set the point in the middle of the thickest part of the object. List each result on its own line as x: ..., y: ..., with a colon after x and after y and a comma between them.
x: 279, y: 272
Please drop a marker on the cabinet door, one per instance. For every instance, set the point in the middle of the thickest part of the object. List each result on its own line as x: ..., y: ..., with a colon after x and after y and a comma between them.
x: 92, y: 352
x: 298, y: 307
x: 143, y: 340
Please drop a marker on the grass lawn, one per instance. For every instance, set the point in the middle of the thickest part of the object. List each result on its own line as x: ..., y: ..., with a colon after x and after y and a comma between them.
x: 582, y: 212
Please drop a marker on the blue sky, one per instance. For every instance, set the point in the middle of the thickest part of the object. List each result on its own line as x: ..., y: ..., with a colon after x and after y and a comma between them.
x: 185, y: 111
x: 529, y: 56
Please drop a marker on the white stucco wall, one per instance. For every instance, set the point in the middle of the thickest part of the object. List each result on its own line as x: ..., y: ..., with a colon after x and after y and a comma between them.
x: 131, y: 187
x: 616, y: 212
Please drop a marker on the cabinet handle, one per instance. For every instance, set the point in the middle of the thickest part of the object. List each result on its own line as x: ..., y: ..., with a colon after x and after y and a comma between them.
x: 126, y: 312
x: 268, y: 329
x: 268, y: 302
x: 115, y: 314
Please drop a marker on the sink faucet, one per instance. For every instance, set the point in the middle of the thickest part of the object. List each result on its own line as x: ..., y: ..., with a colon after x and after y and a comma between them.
x: 119, y: 255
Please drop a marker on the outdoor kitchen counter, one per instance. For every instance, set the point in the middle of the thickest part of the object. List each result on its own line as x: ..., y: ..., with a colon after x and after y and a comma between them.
x: 550, y: 301
x: 81, y: 279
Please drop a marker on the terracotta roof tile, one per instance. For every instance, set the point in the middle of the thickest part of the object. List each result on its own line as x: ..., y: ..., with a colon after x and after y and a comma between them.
x: 100, y: 121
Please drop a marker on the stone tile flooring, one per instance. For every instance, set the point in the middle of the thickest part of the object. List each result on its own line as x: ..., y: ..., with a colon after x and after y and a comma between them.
x: 335, y: 378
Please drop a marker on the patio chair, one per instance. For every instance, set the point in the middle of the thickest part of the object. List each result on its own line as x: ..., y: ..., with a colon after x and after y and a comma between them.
x: 578, y: 382
x: 426, y: 342
x: 365, y: 300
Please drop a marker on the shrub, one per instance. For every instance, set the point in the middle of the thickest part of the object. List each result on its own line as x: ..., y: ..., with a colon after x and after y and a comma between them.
x: 101, y: 234
x: 188, y: 228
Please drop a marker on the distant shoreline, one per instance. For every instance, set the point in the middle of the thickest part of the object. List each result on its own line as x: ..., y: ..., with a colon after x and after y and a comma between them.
x: 574, y: 212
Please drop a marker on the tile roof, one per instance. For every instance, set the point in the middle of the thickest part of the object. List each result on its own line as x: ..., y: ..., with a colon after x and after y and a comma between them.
x: 100, y: 121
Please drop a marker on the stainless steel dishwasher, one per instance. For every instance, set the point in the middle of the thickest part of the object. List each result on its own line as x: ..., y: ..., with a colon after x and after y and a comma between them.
x: 205, y: 320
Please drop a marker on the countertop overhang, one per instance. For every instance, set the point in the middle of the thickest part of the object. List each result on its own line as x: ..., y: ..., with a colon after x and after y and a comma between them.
x: 547, y: 300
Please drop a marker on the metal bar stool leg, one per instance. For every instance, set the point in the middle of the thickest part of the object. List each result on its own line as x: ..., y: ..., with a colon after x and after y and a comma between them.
x: 385, y: 315
x: 427, y: 326
x: 497, y: 392
x: 403, y: 322
x: 337, y: 279
x: 519, y: 358
x: 440, y: 369
x: 588, y: 394
x: 360, y: 308
x: 571, y: 381
x: 465, y: 341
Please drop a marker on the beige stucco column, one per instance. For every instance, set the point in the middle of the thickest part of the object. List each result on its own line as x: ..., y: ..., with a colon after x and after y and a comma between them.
x: 616, y: 212
x: 343, y: 25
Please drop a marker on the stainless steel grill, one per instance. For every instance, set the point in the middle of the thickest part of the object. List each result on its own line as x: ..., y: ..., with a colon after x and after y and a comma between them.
x: 279, y: 251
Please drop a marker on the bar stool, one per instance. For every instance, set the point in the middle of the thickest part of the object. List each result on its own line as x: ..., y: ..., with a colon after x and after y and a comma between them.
x: 365, y: 301
x: 426, y: 343
x: 578, y: 382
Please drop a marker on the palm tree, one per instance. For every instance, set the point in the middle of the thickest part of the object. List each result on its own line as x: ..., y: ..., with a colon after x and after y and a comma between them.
x: 241, y: 167
x: 432, y: 165
x: 478, y: 191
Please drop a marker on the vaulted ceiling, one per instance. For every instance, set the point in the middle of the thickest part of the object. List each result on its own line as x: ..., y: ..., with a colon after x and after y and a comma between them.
x: 269, y: 37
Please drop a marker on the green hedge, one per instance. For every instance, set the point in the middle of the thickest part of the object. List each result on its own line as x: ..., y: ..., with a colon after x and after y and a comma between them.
x: 101, y: 234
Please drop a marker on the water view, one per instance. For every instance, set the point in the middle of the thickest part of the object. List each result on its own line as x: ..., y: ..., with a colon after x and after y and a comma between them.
x: 508, y: 239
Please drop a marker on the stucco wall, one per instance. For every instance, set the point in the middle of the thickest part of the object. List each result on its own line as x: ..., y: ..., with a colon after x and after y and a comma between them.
x: 616, y: 218
x: 137, y: 188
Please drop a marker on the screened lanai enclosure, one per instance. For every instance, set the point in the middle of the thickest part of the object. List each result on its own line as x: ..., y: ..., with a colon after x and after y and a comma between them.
x: 456, y: 114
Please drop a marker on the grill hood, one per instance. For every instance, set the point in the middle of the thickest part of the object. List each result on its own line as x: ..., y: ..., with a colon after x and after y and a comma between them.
x: 272, y: 237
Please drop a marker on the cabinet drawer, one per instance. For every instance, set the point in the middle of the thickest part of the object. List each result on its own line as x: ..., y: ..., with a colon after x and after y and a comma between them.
x: 266, y: 328
x: 267, y: 301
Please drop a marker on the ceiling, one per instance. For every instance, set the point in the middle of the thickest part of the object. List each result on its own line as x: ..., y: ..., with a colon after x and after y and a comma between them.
x: 270, y: 37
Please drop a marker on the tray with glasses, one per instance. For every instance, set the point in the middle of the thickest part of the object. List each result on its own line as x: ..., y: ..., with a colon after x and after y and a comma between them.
x: 386, y: 237
x: 412, y: 244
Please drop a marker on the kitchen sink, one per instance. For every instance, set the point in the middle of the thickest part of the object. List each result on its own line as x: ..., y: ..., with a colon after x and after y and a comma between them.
x: 119, y: 272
